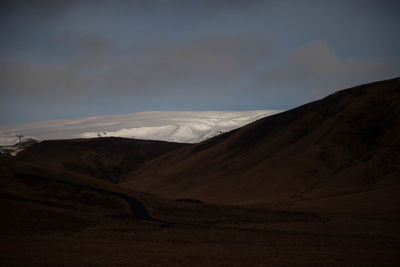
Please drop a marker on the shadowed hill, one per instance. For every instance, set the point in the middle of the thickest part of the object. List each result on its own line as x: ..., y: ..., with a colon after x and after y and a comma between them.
x: 346, y: 143
x: 324, y: 174
x: 109, y: 158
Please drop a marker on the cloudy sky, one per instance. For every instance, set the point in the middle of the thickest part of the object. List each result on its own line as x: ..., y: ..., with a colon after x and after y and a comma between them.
x: 66, y: 59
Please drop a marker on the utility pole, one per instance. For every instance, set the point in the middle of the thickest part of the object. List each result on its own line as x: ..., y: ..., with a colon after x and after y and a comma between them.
x: 20, y: 138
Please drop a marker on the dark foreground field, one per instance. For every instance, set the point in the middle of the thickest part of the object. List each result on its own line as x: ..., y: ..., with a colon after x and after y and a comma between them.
x: 217, y: 242
x: 139, y: 244
x: 51, y: 222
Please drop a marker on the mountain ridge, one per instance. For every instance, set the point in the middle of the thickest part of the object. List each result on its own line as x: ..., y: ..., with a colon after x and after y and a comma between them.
x: 350, y: 133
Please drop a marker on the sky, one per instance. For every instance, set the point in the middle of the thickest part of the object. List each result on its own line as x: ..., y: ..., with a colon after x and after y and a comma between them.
x: 69, y: 59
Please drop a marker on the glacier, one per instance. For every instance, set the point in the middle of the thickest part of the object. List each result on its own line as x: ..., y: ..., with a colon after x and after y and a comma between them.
x: 173, y: 126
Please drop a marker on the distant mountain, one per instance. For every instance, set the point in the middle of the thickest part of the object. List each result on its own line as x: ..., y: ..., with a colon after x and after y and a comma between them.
x: 27, y: 142
x: 344, y: 147
x: 172, y: 126
x: 12, y: 150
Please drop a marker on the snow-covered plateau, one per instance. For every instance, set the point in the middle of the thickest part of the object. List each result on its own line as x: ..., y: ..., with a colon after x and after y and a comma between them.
x: 174, y: 126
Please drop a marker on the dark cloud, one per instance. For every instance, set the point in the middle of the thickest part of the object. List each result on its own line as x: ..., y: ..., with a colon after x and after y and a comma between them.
x: 98, y: 65
x: 315, y: 70
x: 51, y: 9
x: 34, y: 10
x: 79, y: 57
x: 207, y: 60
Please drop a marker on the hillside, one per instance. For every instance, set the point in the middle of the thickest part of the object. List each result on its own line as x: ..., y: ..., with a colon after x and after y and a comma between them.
x: 108, y: 158
x: 344, y: 149
x: 314, y: 186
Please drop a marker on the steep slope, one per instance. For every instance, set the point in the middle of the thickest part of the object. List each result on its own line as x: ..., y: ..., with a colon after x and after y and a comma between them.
x: 109, y: 158
x: 344, y: 144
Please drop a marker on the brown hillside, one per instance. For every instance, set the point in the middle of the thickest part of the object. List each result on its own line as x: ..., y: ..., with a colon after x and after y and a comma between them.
x: 344, y: 145
x: 109, y: 158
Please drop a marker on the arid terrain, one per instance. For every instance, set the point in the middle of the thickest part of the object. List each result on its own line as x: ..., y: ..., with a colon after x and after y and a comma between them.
x: 318, y: 185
